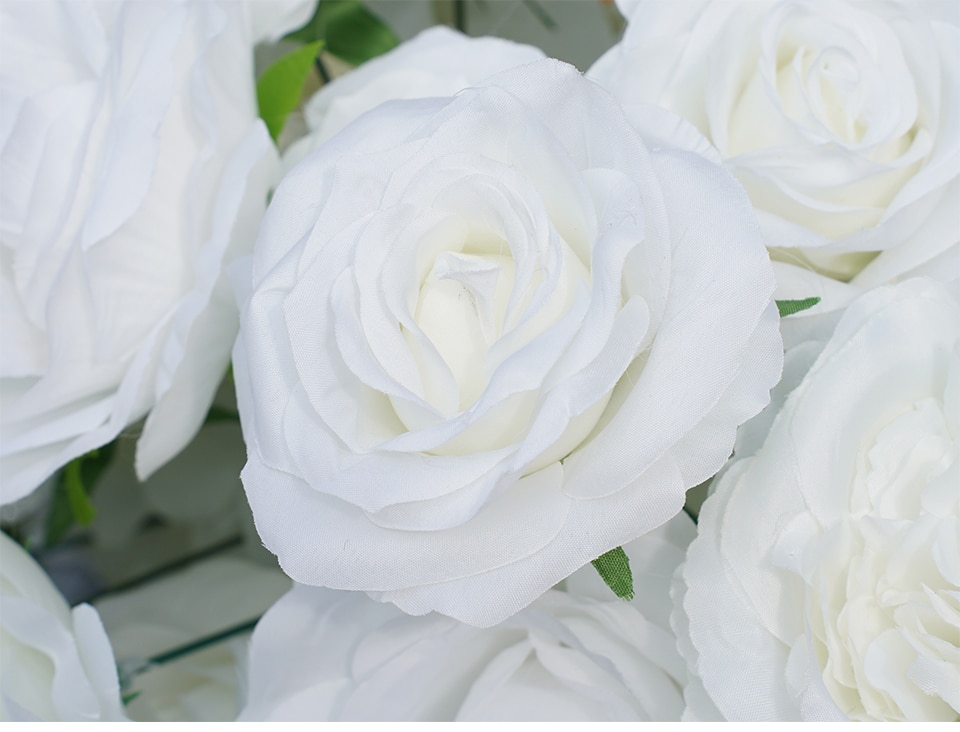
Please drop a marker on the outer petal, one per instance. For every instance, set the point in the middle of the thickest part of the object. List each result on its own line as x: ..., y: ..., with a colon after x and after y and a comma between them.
x: 57, y: 663
x: 577, y: 654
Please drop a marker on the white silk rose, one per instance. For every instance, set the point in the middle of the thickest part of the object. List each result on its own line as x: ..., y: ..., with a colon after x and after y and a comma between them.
x: 841, y: 119
x: 56, y: 664
x: 824, y: 583
x: 438, y: 62
x: 134, y: 169
x: 493, y: 336
x: 579, y: 654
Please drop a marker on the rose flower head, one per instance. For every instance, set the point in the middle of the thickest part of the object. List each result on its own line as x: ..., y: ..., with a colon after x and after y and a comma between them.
x: 841, y: 119
x: 824, y: 582
x: 490, y: 337
x: 134, y: 168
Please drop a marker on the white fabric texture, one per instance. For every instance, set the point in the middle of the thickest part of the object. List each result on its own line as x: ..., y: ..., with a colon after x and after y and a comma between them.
x: 134, y: 169
x: 488, y: 338
x: 578, y: 654
x: 842, y: 120
x: 824, y: 582
x: 56, y: 664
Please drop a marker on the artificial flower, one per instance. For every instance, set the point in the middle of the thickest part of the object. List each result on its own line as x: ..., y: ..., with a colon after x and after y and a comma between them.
x: 824, y: 583
x: 841, y: 119
x: 487, y: 338
x: 134, y: 169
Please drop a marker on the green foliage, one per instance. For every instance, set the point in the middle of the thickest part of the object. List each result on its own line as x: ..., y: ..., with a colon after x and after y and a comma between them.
x: 80, y: 506
x: 129, y: 697
x: 71, y: 498
x: 281, y: 85
x: 220, y: 414
x: 351, y: 32
x: 791, y: 307
x: 614, y: 569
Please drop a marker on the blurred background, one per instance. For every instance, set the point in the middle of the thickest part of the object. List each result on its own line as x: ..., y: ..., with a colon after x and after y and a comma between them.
x: 576, y: 31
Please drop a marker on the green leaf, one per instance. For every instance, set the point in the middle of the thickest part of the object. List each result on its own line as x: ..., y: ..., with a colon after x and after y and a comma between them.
x: 281, y: 86
x: 790, y: 307
x: 71, y: 502
x: 80, y: 506
x: 614, y: 569
x: 129, y: 697
x: 351, y: 31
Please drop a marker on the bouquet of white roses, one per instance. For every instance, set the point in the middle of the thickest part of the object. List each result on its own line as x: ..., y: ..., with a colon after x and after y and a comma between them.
x: 629, y: 393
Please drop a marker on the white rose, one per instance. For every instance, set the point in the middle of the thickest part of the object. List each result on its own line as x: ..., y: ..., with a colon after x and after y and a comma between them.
x: 574, y: 655
x: 56, y: 664
x: 491, y: 337
x: 842, y: 120
x: 825, y: 579
x: 175, y: 611
x: 134, y: 168
x: 437, y: 62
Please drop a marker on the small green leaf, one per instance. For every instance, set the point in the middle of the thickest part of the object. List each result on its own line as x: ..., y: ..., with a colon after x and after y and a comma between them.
x: 281, y: 86
x: 791, y: 307
x: 71, y: 502
x: 80, y: 506
x: 614, y: 569
x: 129, y: 697
x: 351, y: 31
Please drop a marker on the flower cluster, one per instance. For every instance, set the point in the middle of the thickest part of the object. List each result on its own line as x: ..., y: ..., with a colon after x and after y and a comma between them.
x: 489, y: 320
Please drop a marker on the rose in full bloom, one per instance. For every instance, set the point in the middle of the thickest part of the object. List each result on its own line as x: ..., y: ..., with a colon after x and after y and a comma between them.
x: 56, y: 664
x: 488, y: 338
x: 578, y: 654
x: 825, y: 579
x: 842, y: 120
x: 438, y: 62
x: 134, y: 169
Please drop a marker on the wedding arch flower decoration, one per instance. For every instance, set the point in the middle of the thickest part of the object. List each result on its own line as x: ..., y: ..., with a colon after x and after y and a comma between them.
x: 842, y: 120
x: 134, y: 168
x: 576, y: 653
x: 824, y: 582
x: 490, y: 337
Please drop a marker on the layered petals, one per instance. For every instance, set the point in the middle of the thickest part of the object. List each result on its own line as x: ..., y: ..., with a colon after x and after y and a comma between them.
x: 841, y: 120
x: 135, y: 168
x: 490, y: 337
x: 824, y: 582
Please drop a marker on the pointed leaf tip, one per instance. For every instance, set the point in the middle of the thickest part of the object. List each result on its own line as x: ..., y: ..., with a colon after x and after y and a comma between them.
x: 281, y: 86
x: 791, y: 307
x: 614, y: 569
